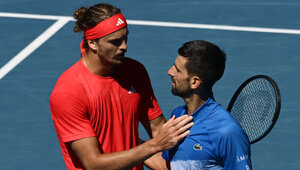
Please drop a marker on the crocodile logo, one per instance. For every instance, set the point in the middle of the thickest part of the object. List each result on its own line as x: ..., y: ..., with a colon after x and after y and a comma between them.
x: 197, y: 147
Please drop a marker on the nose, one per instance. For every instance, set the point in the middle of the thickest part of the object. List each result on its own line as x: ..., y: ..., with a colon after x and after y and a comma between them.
x: 171, y: 71
x: 123, y: 45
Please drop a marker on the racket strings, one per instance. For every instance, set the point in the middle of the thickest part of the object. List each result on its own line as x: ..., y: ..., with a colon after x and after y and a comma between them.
x: 255, y: 120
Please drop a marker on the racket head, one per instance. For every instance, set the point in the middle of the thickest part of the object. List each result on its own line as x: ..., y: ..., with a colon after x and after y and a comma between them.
x: 256, y: 106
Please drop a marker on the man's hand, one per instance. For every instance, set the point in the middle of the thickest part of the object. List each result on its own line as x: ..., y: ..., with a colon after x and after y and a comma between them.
x: 173, y: 131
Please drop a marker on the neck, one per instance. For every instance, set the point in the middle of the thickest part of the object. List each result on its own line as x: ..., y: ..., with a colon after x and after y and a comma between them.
x: 193, y: 103
x: 96, y: 66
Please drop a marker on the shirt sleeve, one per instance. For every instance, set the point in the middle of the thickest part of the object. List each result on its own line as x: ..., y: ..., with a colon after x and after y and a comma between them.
x: 234, y: 148
x: 70, y: 115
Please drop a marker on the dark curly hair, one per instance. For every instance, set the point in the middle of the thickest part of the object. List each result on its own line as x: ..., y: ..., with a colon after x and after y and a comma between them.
x: 205, y: 60
x: 90, y: 17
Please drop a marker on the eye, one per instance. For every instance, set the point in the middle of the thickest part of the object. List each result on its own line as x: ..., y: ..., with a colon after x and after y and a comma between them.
x: 116, y: 42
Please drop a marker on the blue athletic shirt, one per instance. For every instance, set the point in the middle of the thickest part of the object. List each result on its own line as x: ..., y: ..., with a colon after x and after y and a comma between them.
x: 216, y: 141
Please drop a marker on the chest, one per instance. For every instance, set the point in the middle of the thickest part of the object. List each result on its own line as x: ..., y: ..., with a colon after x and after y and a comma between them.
x: 196, y: 150
x: 113, y: 103
x: 196, y: 146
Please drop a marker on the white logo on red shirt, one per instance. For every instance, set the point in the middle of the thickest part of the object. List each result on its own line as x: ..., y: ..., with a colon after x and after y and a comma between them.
x: 132, y: 90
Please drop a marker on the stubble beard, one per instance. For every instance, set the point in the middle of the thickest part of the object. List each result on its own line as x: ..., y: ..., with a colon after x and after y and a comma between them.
x: 184, y: 94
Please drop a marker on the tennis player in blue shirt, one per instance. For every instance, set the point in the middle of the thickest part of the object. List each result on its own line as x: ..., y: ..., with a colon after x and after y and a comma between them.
x: 216, y: 141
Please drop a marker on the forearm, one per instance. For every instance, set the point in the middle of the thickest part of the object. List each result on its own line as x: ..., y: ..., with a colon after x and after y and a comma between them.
x: 156, y: 162
x: 91, y: 158
x: 168, y: 136
x: 127, y: 159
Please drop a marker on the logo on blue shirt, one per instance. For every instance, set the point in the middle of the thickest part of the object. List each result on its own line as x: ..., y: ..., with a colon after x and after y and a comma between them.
x: 197, y: 147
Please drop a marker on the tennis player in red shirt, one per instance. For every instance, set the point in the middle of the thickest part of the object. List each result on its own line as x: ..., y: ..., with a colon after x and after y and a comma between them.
x: 97, y: 104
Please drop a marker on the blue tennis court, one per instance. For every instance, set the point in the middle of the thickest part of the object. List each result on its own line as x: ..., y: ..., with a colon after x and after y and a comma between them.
x: 37, y: 44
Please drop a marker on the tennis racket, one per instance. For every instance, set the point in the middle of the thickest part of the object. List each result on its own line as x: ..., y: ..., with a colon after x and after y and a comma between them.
x: 256, y: 106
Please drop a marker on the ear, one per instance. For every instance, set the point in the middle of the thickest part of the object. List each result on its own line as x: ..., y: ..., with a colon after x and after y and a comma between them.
x: 92, y: 44
x: 195, y: 82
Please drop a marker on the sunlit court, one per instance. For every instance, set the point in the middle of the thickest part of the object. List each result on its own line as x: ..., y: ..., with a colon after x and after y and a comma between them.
x: 38, y: 44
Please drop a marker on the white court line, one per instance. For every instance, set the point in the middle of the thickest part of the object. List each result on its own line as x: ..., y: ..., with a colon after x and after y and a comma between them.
x: 214, y: 27
x: 32, y: 46
x: 33, y: 16
x: 62, y: 20
x: 166, y: 24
